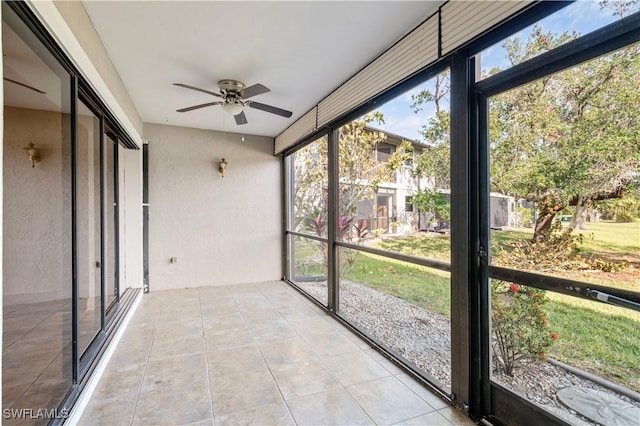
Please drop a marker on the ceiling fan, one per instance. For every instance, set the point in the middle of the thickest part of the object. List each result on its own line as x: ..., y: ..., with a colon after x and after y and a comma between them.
x: 235, y: 95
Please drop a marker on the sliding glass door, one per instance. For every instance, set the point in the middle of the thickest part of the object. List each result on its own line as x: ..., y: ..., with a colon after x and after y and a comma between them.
x: 89, y: 233
x: 61, y: 289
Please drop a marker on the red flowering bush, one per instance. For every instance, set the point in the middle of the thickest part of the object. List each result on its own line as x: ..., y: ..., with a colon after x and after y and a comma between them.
x: 520, y: 326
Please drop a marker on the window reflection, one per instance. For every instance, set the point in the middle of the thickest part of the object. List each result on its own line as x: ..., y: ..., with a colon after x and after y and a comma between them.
x: 37, y: 276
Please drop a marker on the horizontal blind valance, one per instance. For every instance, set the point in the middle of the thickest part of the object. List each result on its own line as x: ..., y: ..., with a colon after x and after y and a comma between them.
x: 464, y: 20
x: 304, y: 126
x: 457, y: 22
x: 412, y: 53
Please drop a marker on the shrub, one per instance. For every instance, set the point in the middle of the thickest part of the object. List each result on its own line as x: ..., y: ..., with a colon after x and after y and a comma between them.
x: 624, y: 217
x: 520, y: 326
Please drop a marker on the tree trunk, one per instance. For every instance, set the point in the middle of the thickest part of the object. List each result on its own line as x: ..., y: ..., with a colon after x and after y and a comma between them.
x: 577, y: 221
x: 548, y: 206
x: 543, y: 226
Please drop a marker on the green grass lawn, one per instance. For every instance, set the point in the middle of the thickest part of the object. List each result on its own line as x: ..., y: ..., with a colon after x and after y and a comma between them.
x: 420, y: 286
x: 594, y: 336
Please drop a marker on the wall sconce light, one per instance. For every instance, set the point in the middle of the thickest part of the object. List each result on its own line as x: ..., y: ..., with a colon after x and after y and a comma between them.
x: 33, y: 154
x: 222, y: 166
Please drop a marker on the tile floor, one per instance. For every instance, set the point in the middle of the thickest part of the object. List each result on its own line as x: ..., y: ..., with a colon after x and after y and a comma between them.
x: 252, y: 354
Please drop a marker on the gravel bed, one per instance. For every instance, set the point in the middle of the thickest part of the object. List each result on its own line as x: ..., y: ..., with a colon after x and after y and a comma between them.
x: 424, y: 339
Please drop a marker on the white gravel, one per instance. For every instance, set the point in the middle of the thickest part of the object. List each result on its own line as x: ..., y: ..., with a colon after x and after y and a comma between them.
x: 424, y: 339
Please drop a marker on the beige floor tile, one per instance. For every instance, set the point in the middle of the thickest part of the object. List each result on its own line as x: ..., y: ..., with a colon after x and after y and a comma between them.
x: 333, y: 407
x: 235, y: 354
x: 216, y: 299
x: 354, y: 367
x: 272, y: 414
x: 137, y: 332
x: 225, y: 339
x: 292, y: 312
x: 173, y: 406
x: 387, y: 400
x: 455, y: 416
x: 303, y: 378
x: 242, y: 288
x: 108, y: 411
x: 176, y: 347
x: 235, y: 361
x: 423, y: 392
x: 431, y: 419
x: 213, y: 291
x: 330, y: 343
x: 384, y: 361
x: 278, y: 353
x: 271, y: 323
x: 191, y: 312
x: 176, y: 372
x: 318, y: 325
x: 230, y: 321
x: 120, y: 382
x: 279, y: 331
x: 235, y: 393
x: 184, y: 327
x: 134, y: 352
x: 209, y: 311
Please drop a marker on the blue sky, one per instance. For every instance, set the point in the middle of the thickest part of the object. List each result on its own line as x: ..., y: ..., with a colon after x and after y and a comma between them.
x: 582, y: 16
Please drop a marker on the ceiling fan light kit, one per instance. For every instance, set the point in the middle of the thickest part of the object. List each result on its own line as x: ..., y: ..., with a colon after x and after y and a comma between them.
x: 233, y: 106
x: 234, y: 95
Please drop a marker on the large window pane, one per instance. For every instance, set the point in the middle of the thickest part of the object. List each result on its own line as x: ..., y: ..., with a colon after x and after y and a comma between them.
x: 37, y: 245
x: 309, y: 189
x: 564, y: 163
x: 564, y: 170
x: 394, y: 186
x: 404, y: 307
x: 309, y: 266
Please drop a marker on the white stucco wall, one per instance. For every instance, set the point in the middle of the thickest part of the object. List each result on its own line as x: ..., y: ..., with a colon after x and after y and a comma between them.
x: 221, y: 230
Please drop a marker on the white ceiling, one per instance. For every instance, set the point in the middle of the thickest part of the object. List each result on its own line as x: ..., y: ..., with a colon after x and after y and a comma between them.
x: 301, y: 50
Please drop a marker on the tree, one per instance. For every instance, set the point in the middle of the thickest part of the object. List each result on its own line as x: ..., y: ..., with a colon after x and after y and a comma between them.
x: 569, y: 138
x: 360, y: 174
x: 434, y: 162
x: 438, y: 204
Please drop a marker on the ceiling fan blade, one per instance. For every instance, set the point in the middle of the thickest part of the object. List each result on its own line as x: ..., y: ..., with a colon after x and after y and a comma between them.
x: 271, y: 109
x: 191, y: 108
x: 23, y: 85
x: 241, y: 118
x: 256, y: 89
x: 186, y: 86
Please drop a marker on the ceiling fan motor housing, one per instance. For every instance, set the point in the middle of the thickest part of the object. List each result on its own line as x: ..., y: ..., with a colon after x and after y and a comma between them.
x: 231, y: 86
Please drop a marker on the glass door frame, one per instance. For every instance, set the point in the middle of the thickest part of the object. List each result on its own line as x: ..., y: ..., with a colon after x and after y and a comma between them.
x: 495, y: 401
x: 85, y: 360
